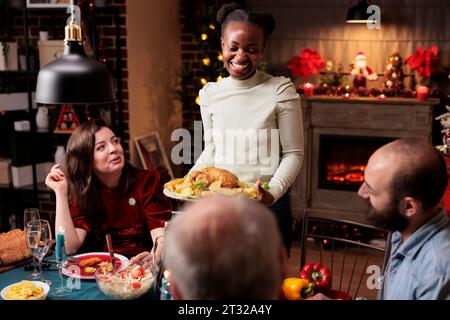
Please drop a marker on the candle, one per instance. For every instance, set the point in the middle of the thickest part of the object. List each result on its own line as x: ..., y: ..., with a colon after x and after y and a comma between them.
x: 346, y: 96
x: 381, y: 97
x: 165, y: 287
x: 308, y: 90
x: 422, y: 92
x: 60, y: 246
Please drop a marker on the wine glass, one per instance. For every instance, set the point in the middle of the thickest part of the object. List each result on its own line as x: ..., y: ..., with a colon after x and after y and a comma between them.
x: 40, y: 240
x: 29, y: 215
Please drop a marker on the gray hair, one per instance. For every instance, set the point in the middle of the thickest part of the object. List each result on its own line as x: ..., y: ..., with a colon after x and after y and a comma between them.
x: 225, y: 248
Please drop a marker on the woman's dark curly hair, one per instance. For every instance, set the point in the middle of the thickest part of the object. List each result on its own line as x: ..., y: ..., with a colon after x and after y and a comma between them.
x: 233, y: 12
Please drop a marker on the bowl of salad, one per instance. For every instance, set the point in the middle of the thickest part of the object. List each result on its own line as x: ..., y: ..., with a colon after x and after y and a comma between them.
x: 127, y: 284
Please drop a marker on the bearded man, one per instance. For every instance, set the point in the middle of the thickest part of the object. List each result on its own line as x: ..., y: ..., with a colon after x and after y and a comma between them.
x: 404, y: 186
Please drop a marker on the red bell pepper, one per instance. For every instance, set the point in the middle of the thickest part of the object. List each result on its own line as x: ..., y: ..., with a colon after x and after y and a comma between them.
x: 318, y: 274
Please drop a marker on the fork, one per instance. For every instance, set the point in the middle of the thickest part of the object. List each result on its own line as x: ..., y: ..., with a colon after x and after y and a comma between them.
x: 73, y: 260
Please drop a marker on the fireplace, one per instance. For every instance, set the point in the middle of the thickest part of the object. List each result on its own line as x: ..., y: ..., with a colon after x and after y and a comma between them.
x: 340, y: 136
x: 342, y: 160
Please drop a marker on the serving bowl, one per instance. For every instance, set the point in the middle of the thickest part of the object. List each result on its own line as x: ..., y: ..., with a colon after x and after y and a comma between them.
x: 25, y: 290
x: 130, y: 283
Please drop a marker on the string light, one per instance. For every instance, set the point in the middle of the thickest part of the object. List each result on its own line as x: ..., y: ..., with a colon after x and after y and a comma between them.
x: 219, y: 78
x: 204, y: 36
x: 197, y: 100
x: 212, y: 27
x: 203, y: 81
x: 220, y: 57
x: 206, y: 61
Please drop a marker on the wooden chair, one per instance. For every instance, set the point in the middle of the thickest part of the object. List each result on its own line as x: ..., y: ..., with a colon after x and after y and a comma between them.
x: 332, y: 242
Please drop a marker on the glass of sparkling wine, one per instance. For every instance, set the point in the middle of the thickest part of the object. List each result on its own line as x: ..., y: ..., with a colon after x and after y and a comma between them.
x: 29, y: 215
x: 40, y: 240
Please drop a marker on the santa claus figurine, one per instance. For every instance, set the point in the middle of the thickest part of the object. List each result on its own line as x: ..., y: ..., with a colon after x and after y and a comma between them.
x: 359, y: 71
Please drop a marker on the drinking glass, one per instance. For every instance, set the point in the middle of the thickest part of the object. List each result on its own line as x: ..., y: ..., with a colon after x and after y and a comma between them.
x: 40, y: 240
x: 29, y: 215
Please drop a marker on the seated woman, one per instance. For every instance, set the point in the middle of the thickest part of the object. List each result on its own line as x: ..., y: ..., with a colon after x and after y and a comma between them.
x: 101, y: 193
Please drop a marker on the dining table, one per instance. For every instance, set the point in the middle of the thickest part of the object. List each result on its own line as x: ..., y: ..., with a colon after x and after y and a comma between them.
x: 82, y: 289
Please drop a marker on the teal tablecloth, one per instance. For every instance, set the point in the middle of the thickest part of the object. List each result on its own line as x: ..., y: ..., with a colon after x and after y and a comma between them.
x: 83, y: 289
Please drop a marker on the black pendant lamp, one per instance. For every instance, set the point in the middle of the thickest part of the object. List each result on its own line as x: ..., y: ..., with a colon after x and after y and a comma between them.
x: 74, y: 78
x: 358, y: 13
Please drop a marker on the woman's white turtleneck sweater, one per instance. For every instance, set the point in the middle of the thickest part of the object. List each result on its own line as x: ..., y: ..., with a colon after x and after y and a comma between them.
x: 254, y: 129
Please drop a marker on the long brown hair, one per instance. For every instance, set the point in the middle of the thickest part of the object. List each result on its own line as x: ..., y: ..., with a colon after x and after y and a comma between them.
x: 83, y: 184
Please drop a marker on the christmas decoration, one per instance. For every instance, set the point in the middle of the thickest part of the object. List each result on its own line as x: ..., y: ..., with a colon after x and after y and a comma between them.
x: 393, y: 76
x: 425, y: 63
x: 207, y: 66
x: 445, y: 122
x: 330, y: 76
x: 307, y: 64
x: 359, y: 71
x: 67, y: 120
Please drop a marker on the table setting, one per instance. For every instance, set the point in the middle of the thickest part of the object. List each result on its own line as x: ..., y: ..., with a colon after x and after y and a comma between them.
x: 86, y: 276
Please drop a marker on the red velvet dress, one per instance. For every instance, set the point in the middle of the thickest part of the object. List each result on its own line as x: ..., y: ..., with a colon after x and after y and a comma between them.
x: 129, y: 217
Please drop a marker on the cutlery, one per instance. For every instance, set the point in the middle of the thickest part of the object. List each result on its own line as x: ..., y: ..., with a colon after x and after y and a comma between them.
x: 111, y: 251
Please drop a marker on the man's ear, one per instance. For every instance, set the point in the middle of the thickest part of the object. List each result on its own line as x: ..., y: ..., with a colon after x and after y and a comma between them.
x: 410, y: 206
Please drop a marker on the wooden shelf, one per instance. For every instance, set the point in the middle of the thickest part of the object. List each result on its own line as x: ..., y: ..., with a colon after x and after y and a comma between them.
x: 41, y: 187
x: 372, y: 100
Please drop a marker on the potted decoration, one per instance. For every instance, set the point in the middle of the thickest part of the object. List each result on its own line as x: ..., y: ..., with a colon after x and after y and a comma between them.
x: 425, y: 63
x: 308, y: 63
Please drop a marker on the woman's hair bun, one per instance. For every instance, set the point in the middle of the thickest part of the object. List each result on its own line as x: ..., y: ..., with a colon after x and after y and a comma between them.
x: 269, y: 23
x: 264, y: 20
x: 225, y: 10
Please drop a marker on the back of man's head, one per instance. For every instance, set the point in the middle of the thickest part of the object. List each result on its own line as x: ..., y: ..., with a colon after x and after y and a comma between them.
x: 421, y: 171
x: 224, y: 248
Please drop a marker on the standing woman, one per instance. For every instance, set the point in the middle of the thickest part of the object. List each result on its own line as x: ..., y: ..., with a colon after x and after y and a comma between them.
x: 101, y: 193
x: 260, y: 108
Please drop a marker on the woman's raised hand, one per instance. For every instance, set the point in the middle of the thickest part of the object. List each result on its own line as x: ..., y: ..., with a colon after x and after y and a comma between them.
x: 264, y: 196
x: 144, y: 259
x: 56, y: 179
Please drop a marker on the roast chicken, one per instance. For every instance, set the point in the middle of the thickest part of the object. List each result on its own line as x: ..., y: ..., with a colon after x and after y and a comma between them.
x: 207, y: 181
x: 210, y: 175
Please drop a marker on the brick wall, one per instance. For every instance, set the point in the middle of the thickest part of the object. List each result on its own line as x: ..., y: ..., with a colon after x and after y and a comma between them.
x: 191, y: 13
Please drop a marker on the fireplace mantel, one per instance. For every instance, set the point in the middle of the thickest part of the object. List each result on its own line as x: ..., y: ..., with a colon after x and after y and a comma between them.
x: 360, y: 117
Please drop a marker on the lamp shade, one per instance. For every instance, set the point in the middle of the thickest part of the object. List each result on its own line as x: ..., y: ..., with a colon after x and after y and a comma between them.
x: 358, y: 13
x: 74, y: 79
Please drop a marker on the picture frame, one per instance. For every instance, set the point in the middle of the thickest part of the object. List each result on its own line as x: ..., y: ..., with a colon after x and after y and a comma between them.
x: 48, y: 3
x: 152, y: 155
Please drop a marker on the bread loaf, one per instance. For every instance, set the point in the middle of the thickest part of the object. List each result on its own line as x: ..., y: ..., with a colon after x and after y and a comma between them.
x: 13, y: 247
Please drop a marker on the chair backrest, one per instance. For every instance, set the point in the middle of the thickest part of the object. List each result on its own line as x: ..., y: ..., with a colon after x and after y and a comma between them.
x: 355, y: 253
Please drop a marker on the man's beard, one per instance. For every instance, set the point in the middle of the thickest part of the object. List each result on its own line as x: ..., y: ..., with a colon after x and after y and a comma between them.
x: 388, y: 218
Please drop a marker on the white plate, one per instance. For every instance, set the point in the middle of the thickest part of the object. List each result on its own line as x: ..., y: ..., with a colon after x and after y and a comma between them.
x: 75, y: 271
x: 178, y: 196
x: 43, y: 285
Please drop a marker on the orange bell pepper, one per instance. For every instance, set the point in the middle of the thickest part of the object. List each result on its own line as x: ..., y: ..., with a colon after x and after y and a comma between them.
x: 297, y: 289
